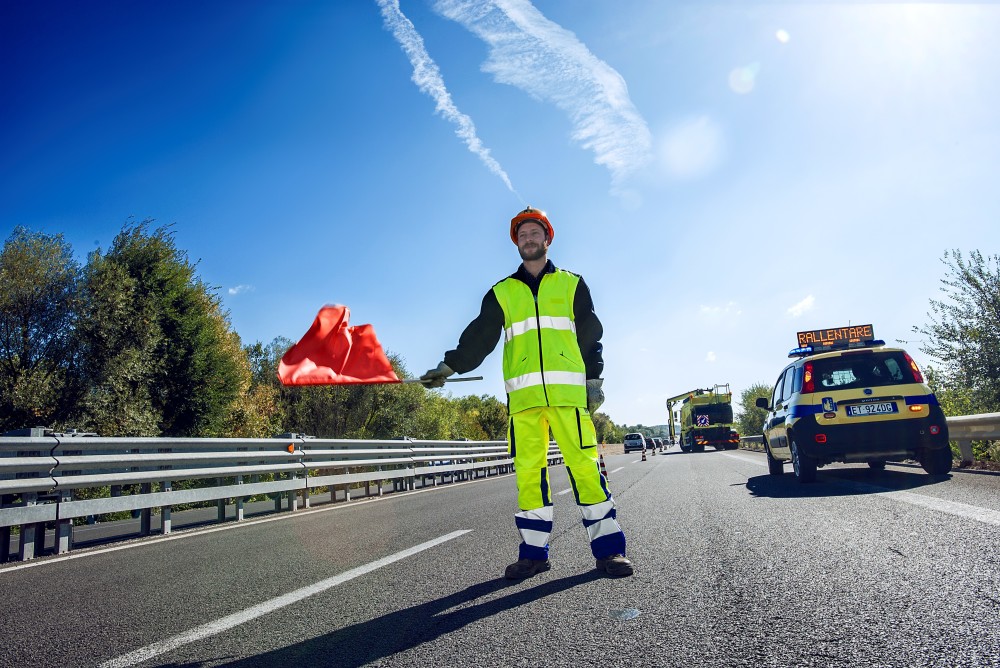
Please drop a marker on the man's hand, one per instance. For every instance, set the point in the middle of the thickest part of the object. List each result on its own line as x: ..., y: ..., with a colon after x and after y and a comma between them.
x: 435, y: 377
x: 595, y: 395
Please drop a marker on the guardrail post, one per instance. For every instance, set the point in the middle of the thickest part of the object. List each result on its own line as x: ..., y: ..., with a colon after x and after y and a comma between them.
x: 239, y: 501
x: 965, y: 450
x: 165, y: 526
x: 5, y: 500
x: 145, y: 515
x: 26, y: 544
x: 291, y: 495
x: 221, y: 503
x: 64, y: 528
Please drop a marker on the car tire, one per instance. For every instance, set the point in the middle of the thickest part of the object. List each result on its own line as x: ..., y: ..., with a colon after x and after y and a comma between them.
x: 804, y: 465
x: 774, y: 466
x: 936, y: 462
x: 876, y: 465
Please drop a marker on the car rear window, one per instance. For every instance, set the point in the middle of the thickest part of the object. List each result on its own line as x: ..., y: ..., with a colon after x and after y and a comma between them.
x: 854, y: 370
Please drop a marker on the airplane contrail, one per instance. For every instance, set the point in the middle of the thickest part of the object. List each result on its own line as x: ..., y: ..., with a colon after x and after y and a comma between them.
x: 428, y: 78
x: 547, y: 61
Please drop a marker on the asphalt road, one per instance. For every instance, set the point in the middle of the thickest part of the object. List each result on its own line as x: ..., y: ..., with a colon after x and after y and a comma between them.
x: 734, y: 568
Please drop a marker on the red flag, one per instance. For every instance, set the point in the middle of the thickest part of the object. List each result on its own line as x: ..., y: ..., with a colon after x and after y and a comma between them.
x: 331, y: 353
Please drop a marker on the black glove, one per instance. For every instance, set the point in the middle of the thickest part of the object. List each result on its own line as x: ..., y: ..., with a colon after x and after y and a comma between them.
x: 435, y: 377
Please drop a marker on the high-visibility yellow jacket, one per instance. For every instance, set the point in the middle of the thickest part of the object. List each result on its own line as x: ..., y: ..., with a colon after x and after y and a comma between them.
x: 551, y: 346
x: 542, y: 364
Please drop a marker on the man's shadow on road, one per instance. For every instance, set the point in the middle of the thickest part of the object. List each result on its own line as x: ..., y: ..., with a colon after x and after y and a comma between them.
x: 400, y: 631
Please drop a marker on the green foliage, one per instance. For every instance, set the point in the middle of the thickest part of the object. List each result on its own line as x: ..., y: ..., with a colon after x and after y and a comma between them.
x: 159, y: 356
x: 964, y: 329
x: 38, y: 289
x: 750, y: 419
x: 607, y: 431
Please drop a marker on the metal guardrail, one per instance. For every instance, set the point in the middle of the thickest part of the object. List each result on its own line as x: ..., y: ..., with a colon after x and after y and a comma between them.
x: 40, y: 476
x: 963, y: 429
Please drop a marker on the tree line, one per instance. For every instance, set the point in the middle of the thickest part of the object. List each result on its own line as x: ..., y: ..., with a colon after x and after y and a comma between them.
x: 134, y: 343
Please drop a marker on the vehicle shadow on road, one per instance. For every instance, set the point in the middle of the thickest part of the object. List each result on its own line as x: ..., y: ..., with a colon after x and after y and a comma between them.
x: 840, y: 482
x: 407, y: 629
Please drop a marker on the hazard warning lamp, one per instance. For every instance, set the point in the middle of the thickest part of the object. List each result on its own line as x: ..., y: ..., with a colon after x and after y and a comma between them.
x: 290, y: 448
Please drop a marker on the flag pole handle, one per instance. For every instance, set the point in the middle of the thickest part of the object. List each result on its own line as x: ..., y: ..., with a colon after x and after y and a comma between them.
x: 447, y: 380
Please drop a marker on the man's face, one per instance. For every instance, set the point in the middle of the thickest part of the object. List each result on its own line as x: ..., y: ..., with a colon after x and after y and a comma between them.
x: 531, y: 243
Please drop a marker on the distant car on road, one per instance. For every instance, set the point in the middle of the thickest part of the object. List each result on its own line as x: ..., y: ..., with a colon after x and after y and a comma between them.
x: 634, y: 441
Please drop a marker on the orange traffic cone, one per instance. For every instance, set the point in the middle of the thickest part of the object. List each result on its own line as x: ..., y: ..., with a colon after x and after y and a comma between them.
x: 600, y: 463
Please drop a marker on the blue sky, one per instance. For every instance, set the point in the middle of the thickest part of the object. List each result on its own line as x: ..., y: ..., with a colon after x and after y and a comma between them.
x: 723, y: 174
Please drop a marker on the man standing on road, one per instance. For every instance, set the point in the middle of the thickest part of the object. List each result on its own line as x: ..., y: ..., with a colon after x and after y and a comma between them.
x: 552, y: 362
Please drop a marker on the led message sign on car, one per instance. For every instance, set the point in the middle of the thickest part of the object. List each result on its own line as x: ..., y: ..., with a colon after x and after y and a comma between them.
x: 820, y: 339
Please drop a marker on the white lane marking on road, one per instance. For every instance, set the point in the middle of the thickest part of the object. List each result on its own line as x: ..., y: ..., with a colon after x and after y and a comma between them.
x: 565, y: 491
x: 957, y: 508
x: 984, y: 515
x: 746, y: 459
x: 230, y: 621
x: 635, y: 461
x: 620, y: 468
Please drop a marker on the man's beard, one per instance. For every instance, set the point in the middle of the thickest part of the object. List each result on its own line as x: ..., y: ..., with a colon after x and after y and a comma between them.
x: 529, y: 254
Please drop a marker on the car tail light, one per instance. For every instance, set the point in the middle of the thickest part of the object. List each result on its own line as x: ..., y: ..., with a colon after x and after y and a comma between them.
x: 917, y: 376
x: 808, y: 384
x: 821, y: 438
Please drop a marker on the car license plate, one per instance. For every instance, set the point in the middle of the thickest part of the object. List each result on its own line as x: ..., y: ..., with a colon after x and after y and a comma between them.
x: 856, y: 410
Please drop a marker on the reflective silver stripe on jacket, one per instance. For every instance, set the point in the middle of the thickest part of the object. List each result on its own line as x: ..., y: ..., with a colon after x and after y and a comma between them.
x: 551, y: 377
x: 547, y: 321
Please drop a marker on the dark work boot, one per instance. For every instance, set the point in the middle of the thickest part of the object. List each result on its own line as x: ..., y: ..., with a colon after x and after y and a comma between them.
x: 525, y: 568
x: 615, y: 565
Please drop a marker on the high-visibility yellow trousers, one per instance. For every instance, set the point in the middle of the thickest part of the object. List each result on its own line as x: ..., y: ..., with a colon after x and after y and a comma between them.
x: 528, y: 440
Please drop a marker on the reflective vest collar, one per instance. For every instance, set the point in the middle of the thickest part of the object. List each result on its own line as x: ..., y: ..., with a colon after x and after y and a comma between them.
x: 533, y: 282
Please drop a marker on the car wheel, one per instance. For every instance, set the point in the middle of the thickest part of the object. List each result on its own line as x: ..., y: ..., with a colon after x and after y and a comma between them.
x: 876, y: 466
x: 804, y: 465
x: 774, y: 466
x: 936, y: 462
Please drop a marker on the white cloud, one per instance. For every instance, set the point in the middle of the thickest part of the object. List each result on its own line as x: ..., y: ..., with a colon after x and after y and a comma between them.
x: 710, y: 357
x: 692, y: 148
x: 239, y: 289
x: 715, y: 312
x: 806, y: 304
x: 548, y: 62
x: 428, y: 78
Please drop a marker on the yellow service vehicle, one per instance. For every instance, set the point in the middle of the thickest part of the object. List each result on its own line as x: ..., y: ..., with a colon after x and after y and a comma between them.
x: 706, y: 418
x: 848, y: 397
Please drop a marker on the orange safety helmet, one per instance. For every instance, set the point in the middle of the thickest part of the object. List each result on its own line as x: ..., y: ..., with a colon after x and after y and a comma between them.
x: 535, y: 216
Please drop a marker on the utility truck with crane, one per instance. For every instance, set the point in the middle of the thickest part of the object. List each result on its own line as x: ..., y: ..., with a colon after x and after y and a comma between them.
x: 706, y: 418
